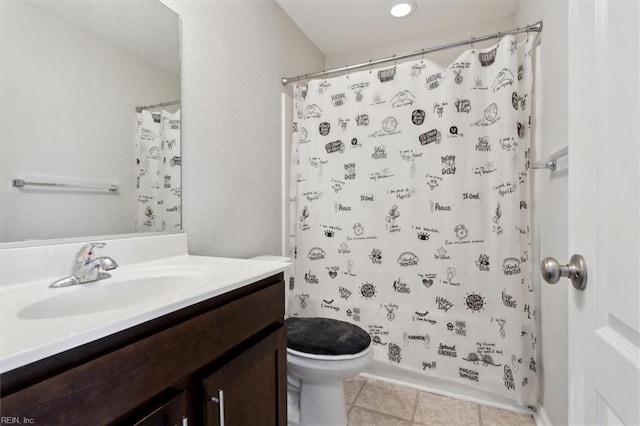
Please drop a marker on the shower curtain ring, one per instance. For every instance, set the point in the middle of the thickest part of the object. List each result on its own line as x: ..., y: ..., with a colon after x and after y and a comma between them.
x: 422, y: 61
x: 527, y: 40
x: 370, y: 66
x: 395, y: 61
x: 346, y: 68
x: 499, y: 35
x: 473, y: 42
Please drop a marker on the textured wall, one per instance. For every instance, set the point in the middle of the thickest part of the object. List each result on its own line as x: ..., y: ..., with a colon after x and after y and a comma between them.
x: 550, y: 208
x: 233, y: 56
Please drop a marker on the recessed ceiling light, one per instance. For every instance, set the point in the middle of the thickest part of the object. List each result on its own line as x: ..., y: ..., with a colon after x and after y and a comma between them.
x: 401, y: 9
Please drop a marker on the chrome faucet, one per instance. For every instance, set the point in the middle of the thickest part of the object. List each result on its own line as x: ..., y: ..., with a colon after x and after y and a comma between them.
x: 86, y: 268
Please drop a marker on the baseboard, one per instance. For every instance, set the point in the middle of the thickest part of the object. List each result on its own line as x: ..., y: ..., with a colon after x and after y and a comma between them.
x: 542, y: 417
x: 452, y: 391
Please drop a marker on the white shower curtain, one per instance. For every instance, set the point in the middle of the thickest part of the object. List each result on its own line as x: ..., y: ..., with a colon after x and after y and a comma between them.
x: 158, y: 177
x: 410, y: 215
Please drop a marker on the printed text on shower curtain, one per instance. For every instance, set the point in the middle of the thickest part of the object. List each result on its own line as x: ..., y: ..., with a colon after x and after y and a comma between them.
x: 410, y: 214
x: 158, y: 174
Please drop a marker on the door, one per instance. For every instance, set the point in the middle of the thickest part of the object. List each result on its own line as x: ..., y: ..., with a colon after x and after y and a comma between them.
x: 604, y: 214
x: 250, y: 390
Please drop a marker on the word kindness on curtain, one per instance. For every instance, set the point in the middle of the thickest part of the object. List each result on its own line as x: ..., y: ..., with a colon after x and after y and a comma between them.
x: 410, y: 215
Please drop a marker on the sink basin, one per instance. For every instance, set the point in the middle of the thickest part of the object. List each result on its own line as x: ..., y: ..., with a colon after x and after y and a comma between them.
x: 123, y: 289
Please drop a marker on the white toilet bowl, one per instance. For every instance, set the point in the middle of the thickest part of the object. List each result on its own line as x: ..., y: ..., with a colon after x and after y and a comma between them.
x: 315, y: 393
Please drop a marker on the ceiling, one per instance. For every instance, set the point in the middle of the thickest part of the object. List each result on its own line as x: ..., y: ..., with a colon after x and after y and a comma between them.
x: 340, y: 26
x: 146, y: 28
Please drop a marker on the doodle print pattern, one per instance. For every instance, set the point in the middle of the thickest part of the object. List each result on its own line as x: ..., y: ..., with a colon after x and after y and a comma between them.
x: 429, y: 242
x: 158, y: 164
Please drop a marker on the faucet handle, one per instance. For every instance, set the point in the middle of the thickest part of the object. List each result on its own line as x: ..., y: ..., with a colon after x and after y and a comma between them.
x: 85, y: 255
x: 96, y: 244
x: 87, y: 249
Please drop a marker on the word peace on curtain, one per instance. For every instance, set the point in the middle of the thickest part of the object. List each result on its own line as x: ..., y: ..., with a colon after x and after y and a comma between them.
x: 410, y: 215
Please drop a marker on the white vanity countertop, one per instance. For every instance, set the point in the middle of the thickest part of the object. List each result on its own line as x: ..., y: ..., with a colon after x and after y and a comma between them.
x: 27, y: 338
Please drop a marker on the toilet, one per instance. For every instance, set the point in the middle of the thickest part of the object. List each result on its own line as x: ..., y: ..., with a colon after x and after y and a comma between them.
x: 321, y: 354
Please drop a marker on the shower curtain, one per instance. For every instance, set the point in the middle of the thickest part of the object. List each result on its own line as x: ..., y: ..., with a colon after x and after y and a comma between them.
x: 410, y: 214
x: 158, y: 178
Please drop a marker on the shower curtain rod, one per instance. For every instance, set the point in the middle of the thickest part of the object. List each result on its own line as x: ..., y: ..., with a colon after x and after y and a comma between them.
x: 536, y: 28
x: 164, y: 104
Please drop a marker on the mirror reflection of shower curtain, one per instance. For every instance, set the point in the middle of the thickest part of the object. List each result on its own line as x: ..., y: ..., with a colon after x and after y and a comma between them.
x: 158, y: 177
x: 410, y: 215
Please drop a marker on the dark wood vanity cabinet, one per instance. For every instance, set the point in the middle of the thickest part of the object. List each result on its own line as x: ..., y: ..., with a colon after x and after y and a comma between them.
x: 169, y: 408
x: 247, y: 386
x: 225, y: 356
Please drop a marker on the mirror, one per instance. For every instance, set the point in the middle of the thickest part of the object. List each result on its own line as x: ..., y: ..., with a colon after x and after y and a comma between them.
x: 73, y: 74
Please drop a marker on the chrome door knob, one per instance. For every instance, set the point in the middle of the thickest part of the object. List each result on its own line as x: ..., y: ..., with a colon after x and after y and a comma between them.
x: 576, y: 271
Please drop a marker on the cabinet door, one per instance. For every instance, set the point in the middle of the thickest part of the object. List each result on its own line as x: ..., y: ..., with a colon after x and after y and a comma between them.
x: 251, y: 389
x: 166, y: 409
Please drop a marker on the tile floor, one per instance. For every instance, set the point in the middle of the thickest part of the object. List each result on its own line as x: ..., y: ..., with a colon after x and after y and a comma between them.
x: 375, y: 403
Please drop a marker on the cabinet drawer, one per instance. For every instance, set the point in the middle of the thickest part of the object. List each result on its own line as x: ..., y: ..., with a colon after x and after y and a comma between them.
x: 104, y: 389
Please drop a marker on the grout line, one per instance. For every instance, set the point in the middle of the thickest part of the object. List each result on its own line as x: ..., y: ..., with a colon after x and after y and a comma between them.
x: 379, y: 412
x: 384, y: 414
x: 364, y: 382
x: 415, y: 407
x: 486, y: 400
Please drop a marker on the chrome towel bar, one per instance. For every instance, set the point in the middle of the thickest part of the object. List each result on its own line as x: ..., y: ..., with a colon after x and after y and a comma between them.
x: 551, y: 163
x: 20, y: 183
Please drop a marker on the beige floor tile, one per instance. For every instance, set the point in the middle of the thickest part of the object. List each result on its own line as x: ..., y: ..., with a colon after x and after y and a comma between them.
x: 361, y: 417
x: 351, y: 389
x: 496, y: 417
x: 435, y: 410
x: 388, y: 399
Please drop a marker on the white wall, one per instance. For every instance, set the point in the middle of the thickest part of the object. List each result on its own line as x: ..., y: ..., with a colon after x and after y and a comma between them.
x: 444, y: 57
x: 233, y: 56
x: 550, y: 208
x: 68, y: 101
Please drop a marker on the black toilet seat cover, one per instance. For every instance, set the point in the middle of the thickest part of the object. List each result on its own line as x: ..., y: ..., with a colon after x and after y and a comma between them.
x: 325, y: 336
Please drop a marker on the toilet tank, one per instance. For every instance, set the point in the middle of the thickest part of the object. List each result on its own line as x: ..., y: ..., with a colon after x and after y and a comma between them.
x: 287, y: 274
